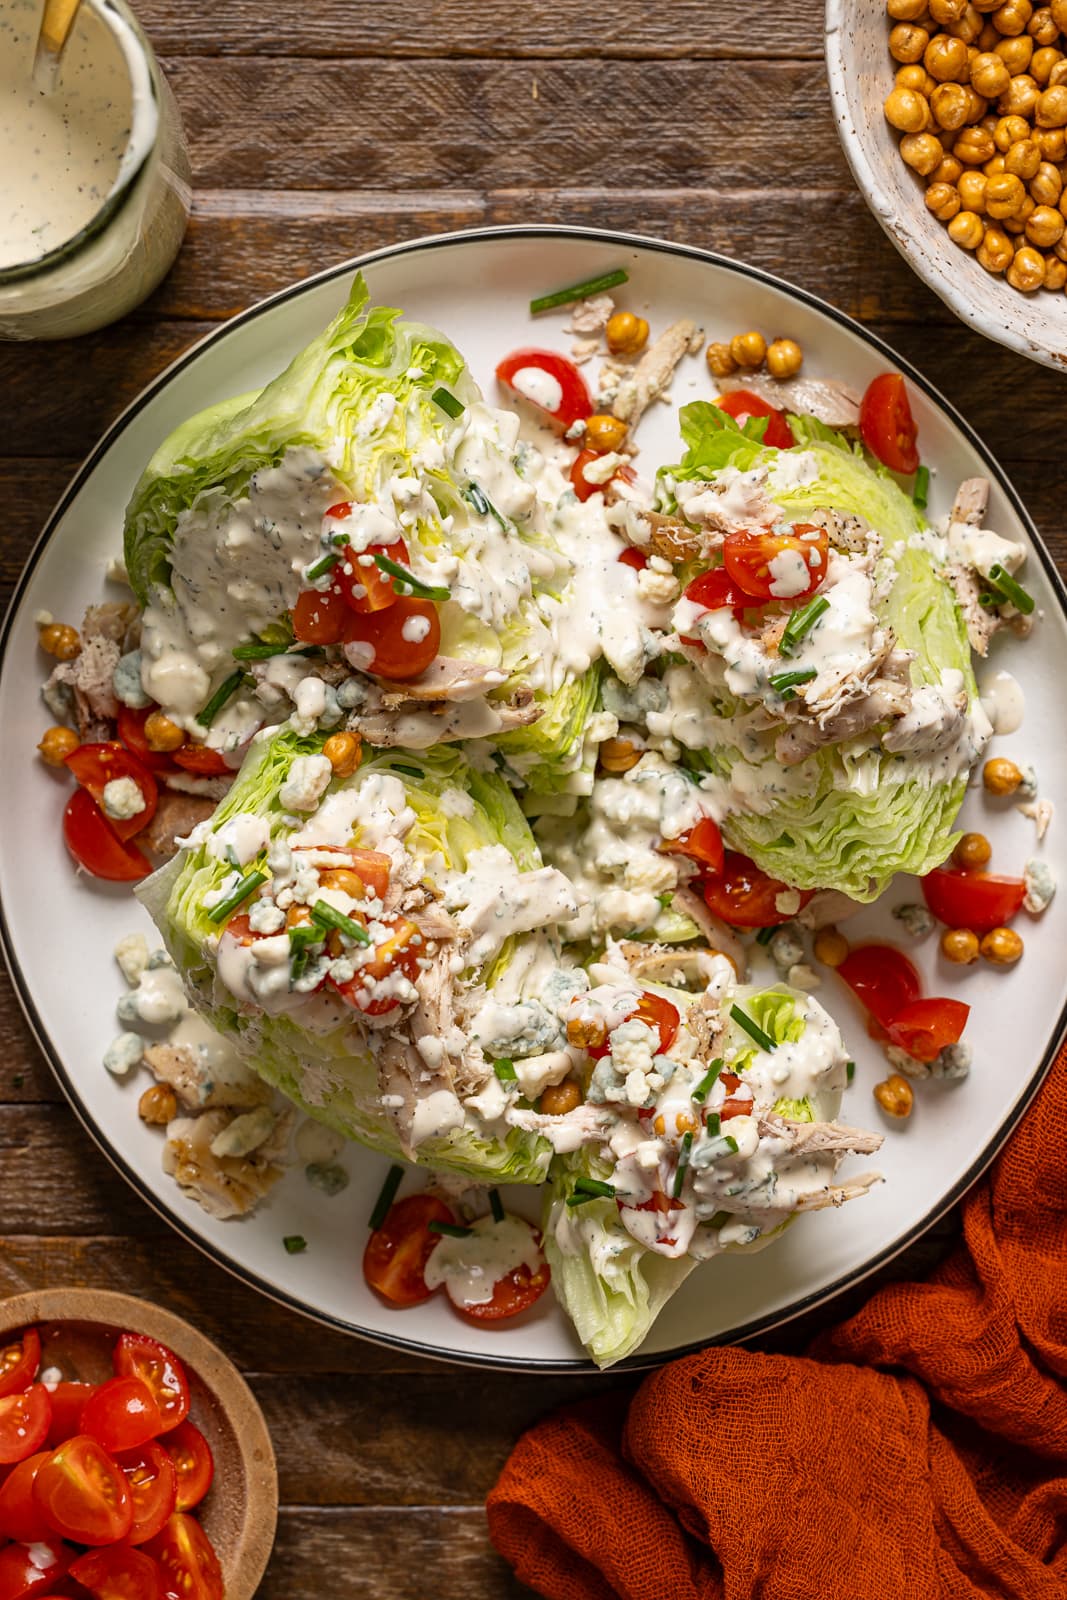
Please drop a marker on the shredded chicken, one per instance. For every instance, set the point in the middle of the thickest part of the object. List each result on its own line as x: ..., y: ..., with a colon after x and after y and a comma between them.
x: 663, y: 963
x: 233, y: 1087
x: 847, y: 531
x: 971, y: 502
x: 389, y: 728
x: 590, y: 317
x: 836, y: 1194
x: 225, y: 1186
x: 90, y: 676
x: 827, y: 401
x: 652, y: 376
x: 176, y: 816
x: 718, y: 935
x: 826, y: 908
x: 444, y: 680
x: 674, y: 540
x: 117, y: 620
x: 981, y: 624
x: 821, y: 1138
x: 882, y: 701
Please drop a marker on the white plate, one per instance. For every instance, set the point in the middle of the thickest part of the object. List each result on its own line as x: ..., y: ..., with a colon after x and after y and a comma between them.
x: 60, y: 930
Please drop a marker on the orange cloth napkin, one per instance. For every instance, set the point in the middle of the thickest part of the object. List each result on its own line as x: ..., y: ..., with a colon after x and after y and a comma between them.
x: 919, y: 1452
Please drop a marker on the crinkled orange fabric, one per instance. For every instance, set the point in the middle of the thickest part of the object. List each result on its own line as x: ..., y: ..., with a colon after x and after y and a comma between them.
x: 918, y: 1452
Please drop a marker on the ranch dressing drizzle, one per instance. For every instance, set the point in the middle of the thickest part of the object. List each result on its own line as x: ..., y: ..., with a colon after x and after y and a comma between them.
x: 1003, y: 701
x: 470, y: 1267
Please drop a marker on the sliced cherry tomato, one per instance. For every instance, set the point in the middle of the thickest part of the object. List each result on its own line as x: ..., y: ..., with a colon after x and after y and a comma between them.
x: 19, y: 1362
x: 403, y: 640
x: 119, y: 1573
x: 97, y: 765
x: 152, y: 1479
x: 777, y: 566
x: 93, y: 844
x: 68, y: 1401
x: 657, y: 1201
x: 372, y: 866
x: 363, y: 584
x: 977, y: 900
x: 883, y: 978
x: 320, y: 616
x: 32, y: 1569
x: 746, y: 897
x: 203, y: 762
x: 394, y: 1262
x: 584, y: 487
x: 658, y: 1013
x: 715, y: 591
x: 137, y: 1355
x: 130, y: 728
x: 24, y: 1419
x: 702, y: 843
x: 742, y: 404
x: 83, y: 1494
x: 396, y: 954
x: 240, y: 928
x: 633, y: 558
x: 887, y: 426
x: 514, y: 1293
x: 925, y: 1027
x: 190, y: 1566
x: 550, y: 383
x: 121, y: 1414
x: 193, y: 1463
x: 20, y: 1516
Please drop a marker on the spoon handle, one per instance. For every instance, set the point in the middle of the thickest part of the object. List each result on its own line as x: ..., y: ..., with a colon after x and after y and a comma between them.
x: 56, y: 23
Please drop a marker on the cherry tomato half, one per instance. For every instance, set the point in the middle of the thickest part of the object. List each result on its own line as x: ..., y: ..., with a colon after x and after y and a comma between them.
x: 925, y: 1027
x: 715, y: 591
x: 152, y: 1479
x: 798, y: 558
x: 742, y: 404
x: 320, y: 616
x: 24, y: 1419
x: 633, y: 558
x: 68, y: 1402
x: 20, y: 1516
x: 394, y: 1262
x: 94, y: 845
x: 130, y: 729
x: 119, y: 1573
x: 398, y: 953
x: 193, y: 1463
x: 32, y: 1569
x: 190, y: 1566
x: 372, y: 866
x: 363, y: 584
x: 137, y: 1355
x: 548, y: 382
x: 887, y: 426
x: 883, y: 978
x: 97, y: 765
x: 977, y: 900
x: 585, y: 487
x: 82, y: 1493
x: 702, y: 843
x: 403, y: 640
x: 203, y: 762
x: 515, y: 1292
x: 121, y: 1414
x: 19, y: 1362
x: 745, y: 896
x: 658, y: 1013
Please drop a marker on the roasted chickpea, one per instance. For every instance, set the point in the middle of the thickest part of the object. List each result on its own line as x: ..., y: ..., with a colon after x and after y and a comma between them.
x: 1055, y: 272
x: 721, y: 363
x: 1058, y: 74
x: 972, y: 187
x: 626, y: 334
x: 1046, y: 186
x: 906, y: 10
x: 1001, y: 776
x: 298, y: 916
x: 915, y: 77
x: 1044, y: 227
x: 344, y: 752
x: 1002, y: 947
x: 1052, y: 142
x: 895, y: 1096
x: 57, y: 744
x: 1011, y: 18
x: 161, y: 734
x: 995, y: 167
x: 59, y: 639
x: 346, y: 880
x: 973, y: 850
x: 948, y: 170
x: 1051, y: 108
x: 619, y: 755
x: 784, y: 358
x: 1020, y: 97
x: 559, y: 1098
x: 604, y: 432
x: 996, y: 252
x: 907, y: 110
x: 158, y: 1105
x: 1008, y: 131
x: 945, y: 59
x: 950, y: 104
x: 1042, y: 65
x: 1042, y: 28
x: 830, y: 947
x: 967, y: 27
x: 1060, y: 250
x: 584, y: 1032
x: 907, y: 43
x: 943, y: 201
x: 1027, y: 271
x: 973, y: 146
x: 945, y: 11
x: 1059, y: 13
x: 1015, y: 53
x: 1016, y: 224
x: 960, y: 946
x: 989, y: 74
x: 966, y: 229
x: 748, y: 349
x: 1004, y: 195
x: 989, y: 38
x: 1022, y: 158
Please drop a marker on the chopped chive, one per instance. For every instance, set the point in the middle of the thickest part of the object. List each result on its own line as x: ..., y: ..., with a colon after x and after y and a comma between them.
x: 594, y: 1186
x: 989, y: 601
x: 765, y: 935
x: 713, y: 1124
x: 236, y: 896
x: 781, y: 681
x: 412, y: 772
x: 496, y: 1205
x: 707, y: 1082
x: 579, y: 291
x: 850, y: 1070
x: 413, y: 585
x: 920, y: 492
x: 263, y: 652
x: 482, y: 503
x: 328, y: 916
x: 801, y: 623
x: 505, y: 1071
x: 665, y: 901
x: 580, y: 1199
x: 452, y: 1229
x: 319, y: 568
x: 294, y: 1243
x: 724, y: 1145
x: 1013, y: 592
x: 224, y: 692
x: 448, y: 403
x: 683, y: 1162
x: 386, y: 1195
x: 753, y: 1029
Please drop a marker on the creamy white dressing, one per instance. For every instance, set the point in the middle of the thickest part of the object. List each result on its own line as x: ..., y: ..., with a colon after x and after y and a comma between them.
x: 470, y: 1268
x: 1002, y: 700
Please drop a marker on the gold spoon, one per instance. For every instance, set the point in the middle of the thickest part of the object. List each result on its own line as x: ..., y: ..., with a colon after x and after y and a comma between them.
x: 56, y: 25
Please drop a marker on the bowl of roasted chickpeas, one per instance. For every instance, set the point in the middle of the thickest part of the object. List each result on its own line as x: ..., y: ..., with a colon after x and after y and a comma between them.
x: 953, y: 117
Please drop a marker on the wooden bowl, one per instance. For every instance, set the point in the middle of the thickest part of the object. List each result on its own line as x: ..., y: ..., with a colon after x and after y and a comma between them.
x: 861, y: 70
x: 78, y: 1328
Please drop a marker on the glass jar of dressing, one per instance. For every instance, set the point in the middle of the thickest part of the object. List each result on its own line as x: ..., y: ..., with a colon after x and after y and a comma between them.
x: 94, y: 177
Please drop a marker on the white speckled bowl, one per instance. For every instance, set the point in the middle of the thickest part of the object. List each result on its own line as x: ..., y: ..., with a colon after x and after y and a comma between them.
x: 860, y: 69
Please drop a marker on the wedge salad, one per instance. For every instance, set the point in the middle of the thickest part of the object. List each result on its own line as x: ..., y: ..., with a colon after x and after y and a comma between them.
x: 497, y: 794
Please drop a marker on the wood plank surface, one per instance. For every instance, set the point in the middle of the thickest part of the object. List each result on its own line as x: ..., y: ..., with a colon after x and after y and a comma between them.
x: 317, y: 132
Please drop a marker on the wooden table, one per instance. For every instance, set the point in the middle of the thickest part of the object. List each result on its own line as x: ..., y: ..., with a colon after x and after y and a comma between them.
x: 318, y: 131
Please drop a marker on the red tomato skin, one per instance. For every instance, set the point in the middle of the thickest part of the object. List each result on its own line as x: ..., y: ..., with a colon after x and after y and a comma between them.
x: 887, y: 426
x: 94, y: 845
x: 119, y: 1573
x: 82, y: 1493
x: 633, y: 558
x: 203, y: 762
x: 516, y: 1292
x: 748, y: 556
x: 702, y: 844
x: 925, y: 1027
x: 883, y: 978
x: 658, y: 1013
x: 980, y: 901
x: 394, y: 1261
x: 68, y: 1401
x: 137, y: 1355
x: 152, y: 1479
x: 121, y: 1414
x: 96, y: 765
x: 130, y: 729
x: 399, y: 954
x: 396, y: 658
x: 19, y: 1362
x: 190, y: 1567
x: 194, y: 1464
x: 715, y: 590
x: 742, y: 404
x: 20, y: 1517
x: 744, y: 896
x: 24, y: 1574
x: 379, y: 593
x: 24, y: 1419
x: 576, y: 403
x: 371, y: 865
x: 320, y: 616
